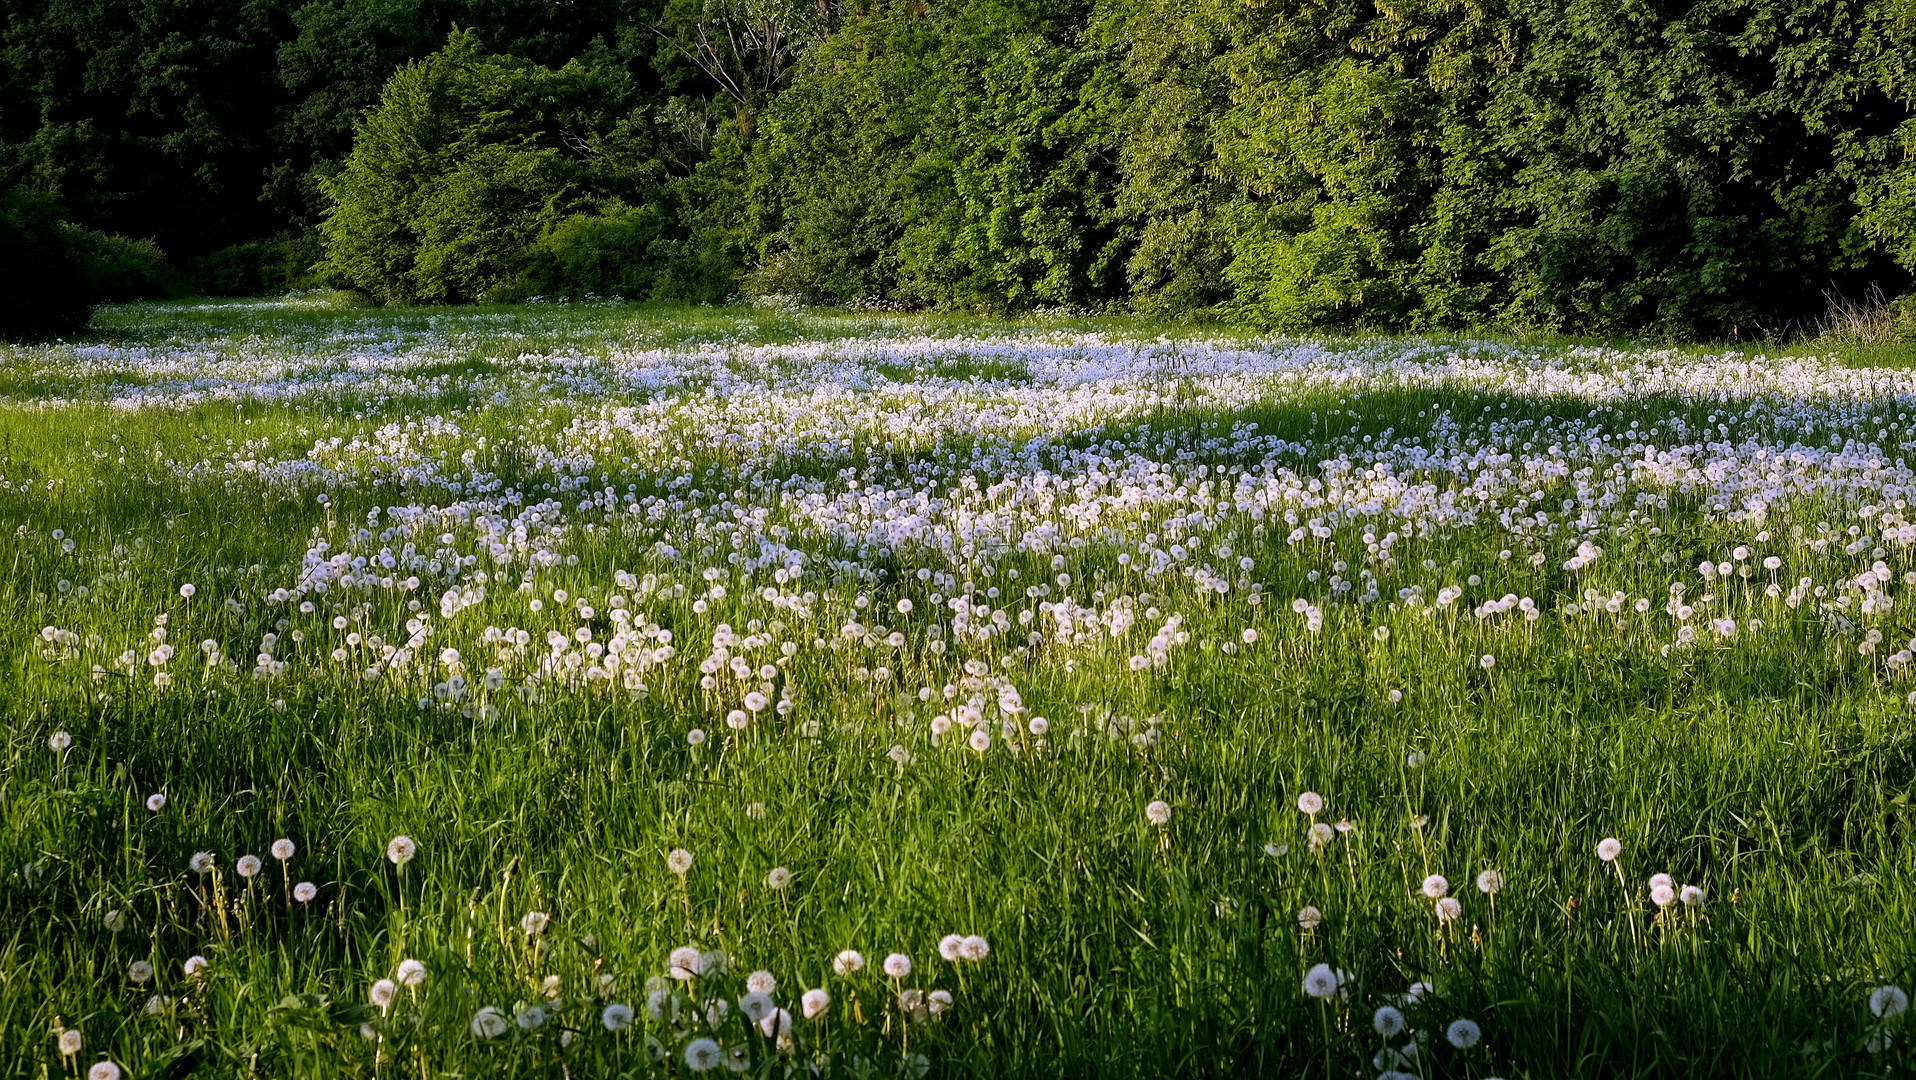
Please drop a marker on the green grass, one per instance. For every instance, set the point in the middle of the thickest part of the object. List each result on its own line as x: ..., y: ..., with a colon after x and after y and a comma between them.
x: 1772, y: 768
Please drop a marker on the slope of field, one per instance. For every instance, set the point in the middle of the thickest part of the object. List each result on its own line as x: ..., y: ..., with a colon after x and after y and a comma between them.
x: 596, y: 690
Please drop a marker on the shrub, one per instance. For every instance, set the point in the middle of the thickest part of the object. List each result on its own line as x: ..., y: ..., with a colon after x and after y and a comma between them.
x: 121, y: 269
x: 267, y: 267
x: 44, y: 285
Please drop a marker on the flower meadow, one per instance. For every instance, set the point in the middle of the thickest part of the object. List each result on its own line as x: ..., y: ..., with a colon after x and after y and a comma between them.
x: 604, y: 690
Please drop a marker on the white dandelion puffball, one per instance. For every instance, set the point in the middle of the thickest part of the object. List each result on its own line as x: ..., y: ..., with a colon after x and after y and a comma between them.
x: 1322, y: 834
x: 1490, y: 881
x: 1158, y: 812
x: 1310, y: 802
x: 1275, y: 849
x: 1609, y: 848
x: 489, y: 1023
x: 201, y: 862
x: 755, y: 1006
x: 684, y: 962
x: 529, y: 1018
x: 410, y: 972
x: 59, y: 741
x: 305, y: 891
x: 703, y: 1055
x: 779, y: 879
x: 1388, y: 1021
x: 1309, y: 917
x: 974, y: 948
x: 938, y: 1001
x: 1661, y: 879
x: 761, y: 982
x: 1320, y: 982
x: 948, y: 946
x: 737, y: 720
x: 1415, y: 759
x: 156, y: 802
x: 534, y: 923
x: 103, y: 1070
x: 695, y: 736
x: 848, y: 962
x: 194, y: 965
x: 1487, y: 661
x: 1888, y: 1002
x: 1449, y: 909
x: 1663, y: 894
x: 616, y: 1017
x: 70, y: 1041
x: 114, y: 920
x: 1435, y: 886
x: 980, y: 739
x: 1690, y: 895
x: 1418, y: 992
x: 383, y: 992
x: 897, y: 965
x: 399, y: 852
x: 283, y: 850
x: 814, y: 1002
x: 140, y: 972
x: 187, y: 590
x: 1464, y: 1034
x: 679, y: 861
x: 247, y: 866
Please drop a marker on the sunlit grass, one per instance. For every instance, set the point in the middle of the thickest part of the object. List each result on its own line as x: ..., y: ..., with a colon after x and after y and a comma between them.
x: 774, y: 540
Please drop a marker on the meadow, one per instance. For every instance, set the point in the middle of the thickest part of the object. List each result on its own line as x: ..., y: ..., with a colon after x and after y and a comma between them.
x: 602, y: 690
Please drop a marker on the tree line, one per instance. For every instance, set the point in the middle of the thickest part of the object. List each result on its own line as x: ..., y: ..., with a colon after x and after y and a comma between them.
x: 1685, y: 168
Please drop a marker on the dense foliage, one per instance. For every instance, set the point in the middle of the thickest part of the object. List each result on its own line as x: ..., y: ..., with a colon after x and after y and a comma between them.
x: 1714, y: 167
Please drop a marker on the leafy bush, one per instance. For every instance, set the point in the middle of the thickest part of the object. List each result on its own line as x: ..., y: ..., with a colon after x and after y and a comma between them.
x: 121, y: 269
x: 468, y: 159
x: 260, y: 268
x: 44, y: 285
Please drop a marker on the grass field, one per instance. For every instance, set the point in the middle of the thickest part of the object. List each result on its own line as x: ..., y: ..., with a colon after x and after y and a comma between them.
x: 609, y: 691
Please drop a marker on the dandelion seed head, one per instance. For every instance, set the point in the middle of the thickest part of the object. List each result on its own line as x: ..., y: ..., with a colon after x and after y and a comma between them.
x: 400, y: 851
x: 1464, y: 1034
x: 489, y: 1023
x: 703, y: 1055
x: 1321, y: 982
